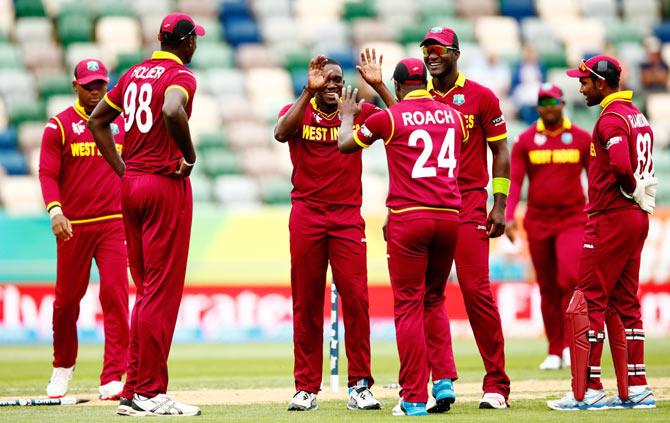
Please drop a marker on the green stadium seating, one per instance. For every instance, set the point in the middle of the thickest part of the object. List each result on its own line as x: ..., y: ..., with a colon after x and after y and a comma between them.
x: 431, y: 8
x: 75, y: 29
x: 28, y: 8
x: 412, y: 34
x: 113, y: 8
x: 357, y: 10
x: 211, y: 56
x: 78, y: 8
x: 297, y: 61
x: 220, y: 162
x: 202, y: 188
x: 125, y: 60
x: 25, y: 110
x: 212, y: 141
x: 10, y: 57
x: 55, y: 84
x: 276, y: 192
x: 553, y: 58
x: 621, y: 32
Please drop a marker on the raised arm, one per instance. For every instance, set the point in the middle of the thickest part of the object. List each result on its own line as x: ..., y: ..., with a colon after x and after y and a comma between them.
x: 371, y: 72
x: 289, y: 123
x: 348, y: 109
x: 103, y: 115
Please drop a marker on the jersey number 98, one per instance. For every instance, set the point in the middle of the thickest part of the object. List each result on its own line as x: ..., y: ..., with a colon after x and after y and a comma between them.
x: 136, y: 107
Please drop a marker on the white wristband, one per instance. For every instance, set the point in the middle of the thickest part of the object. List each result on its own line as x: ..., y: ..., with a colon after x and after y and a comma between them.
x: 189, y: 164
x: 55, y: 211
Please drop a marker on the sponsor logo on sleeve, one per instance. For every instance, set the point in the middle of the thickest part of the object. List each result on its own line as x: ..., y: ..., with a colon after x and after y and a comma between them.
x: 613, y: 141
x: 366, y: 131
x: 498, y: 121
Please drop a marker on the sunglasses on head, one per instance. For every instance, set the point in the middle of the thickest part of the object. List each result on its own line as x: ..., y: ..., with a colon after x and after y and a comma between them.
x: 583, y: 67
x: 549, y: 101
x: 438, y: 49
x: 93, y: 85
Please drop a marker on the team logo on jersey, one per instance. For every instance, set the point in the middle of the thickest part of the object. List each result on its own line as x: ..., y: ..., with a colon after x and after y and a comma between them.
x: 78, y: 127
x: 317, y: 118
x: 92, y: 66
x: 540, y: 139
x: 115, y: 128
x: 566, y: 137
x: 459, y: 99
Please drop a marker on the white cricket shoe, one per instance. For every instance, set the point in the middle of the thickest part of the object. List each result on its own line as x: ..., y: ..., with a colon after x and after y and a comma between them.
x: 361, y: 398
x: 162, y: 405
x: 111, y: 390
x: 566, y: 357
x: 493, y: 400
x: 303, y: 401
x: 638, y: 397
x: 60, y: 379
x: 552, y: 362
x: 594, y: 399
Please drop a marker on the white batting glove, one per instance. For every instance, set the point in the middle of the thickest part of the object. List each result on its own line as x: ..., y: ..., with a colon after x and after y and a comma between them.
x: 645, y: 192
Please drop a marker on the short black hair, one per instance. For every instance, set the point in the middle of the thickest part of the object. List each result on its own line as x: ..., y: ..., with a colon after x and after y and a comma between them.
x: 330, y: 61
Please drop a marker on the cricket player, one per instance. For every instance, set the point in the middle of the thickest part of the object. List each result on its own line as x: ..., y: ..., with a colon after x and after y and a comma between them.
x: 552, y: 152
x: 82, y: 196
x: 486, y: 125
x: 423, y: 141
x: 155, y: 98
x: 622, y: 190
x: 326, y: 226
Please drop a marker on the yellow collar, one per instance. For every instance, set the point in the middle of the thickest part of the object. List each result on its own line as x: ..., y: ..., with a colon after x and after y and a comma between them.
x: 619, y: 95
x: 322, y: 113
x: 541, y: 128
x: 161, y: 54
x: 420, y: 93
x: 80, y: 109
x: 460, y: 82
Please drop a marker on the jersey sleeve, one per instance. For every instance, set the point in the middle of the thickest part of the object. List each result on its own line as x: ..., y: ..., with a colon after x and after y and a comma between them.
x: 53, y: 139
x: 517, y: 174
x: 584, y: 147
x: 185, y: 81
x: 614, y: 131
x: 114, y: 97
x: 464, y: 127
x: 492, y: 119
x: 377, y: 126
x: 283, y: 110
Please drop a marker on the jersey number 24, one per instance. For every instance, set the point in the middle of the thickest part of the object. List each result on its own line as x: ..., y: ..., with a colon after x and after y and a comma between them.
x: 445, y: 159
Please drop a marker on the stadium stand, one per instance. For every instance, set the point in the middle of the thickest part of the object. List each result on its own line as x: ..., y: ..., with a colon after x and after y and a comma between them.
x: 254, y: 59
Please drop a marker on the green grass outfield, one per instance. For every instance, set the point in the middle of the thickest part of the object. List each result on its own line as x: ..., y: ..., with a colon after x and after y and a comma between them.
x: 207, y: 370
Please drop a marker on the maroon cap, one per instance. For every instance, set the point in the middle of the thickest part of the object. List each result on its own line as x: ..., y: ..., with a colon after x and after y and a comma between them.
x: 178, y: 26
x: 604, y: 67
x: 443, y: 35
x: 550, y: 90
x: 411, y: 72
x: 89, y: 70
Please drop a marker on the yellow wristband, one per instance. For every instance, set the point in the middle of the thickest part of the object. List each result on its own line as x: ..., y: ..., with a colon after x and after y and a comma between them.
x: 501, y: 186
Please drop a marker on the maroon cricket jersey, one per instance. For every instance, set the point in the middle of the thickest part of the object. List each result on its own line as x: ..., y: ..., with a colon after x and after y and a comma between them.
x: 320, y: 172
x: 73, y: 174
x: 485, y: 122
x: 622, y: 146
x: 553, y: 161
x: 423, y: 140
x: 139, y: 96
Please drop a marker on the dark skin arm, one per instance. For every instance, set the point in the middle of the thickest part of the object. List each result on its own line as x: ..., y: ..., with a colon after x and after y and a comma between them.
x: 495, y: 223
x: 103, y: 115
x: 289, y: 124
x: 348, y: 109
x: 371, y: 72
x: 176, y: 122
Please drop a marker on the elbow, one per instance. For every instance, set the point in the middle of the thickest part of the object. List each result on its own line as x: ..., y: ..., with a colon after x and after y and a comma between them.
x: 281, y: 136
x: 92, y: 124
x: 170, y: 112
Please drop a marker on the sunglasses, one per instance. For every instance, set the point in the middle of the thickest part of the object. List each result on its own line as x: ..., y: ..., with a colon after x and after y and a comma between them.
x: 438, y: 49
x: 93, y: 85
x: 583, y: 67
x: 548, y: 101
